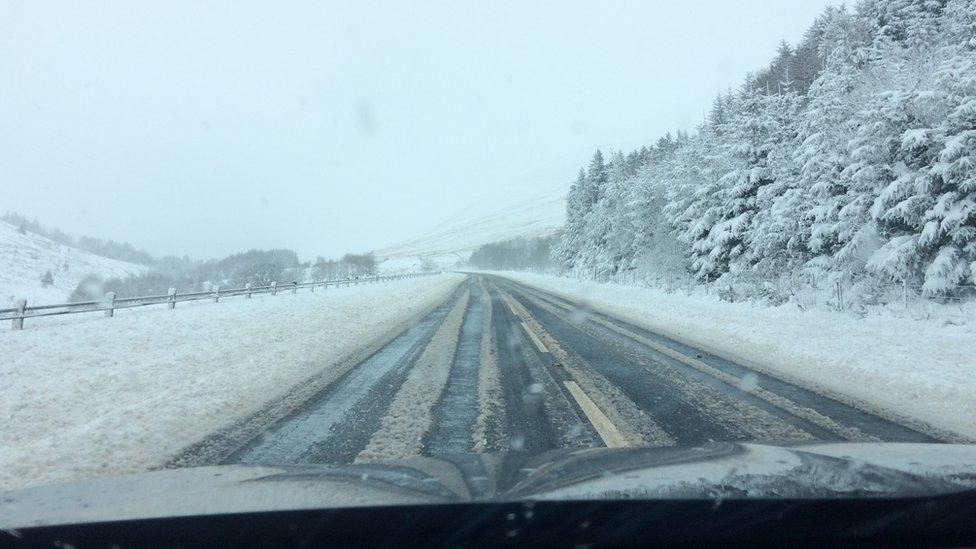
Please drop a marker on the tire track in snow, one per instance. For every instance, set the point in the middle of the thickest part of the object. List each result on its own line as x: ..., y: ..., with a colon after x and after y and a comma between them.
x: 224, y: 445
x: 490, y: 425
x: 333, y: 426
x: 826, y: 416
x: 402, y: 430
x: 546, y: 398
x: 455, y: 414
x: 636, y: 426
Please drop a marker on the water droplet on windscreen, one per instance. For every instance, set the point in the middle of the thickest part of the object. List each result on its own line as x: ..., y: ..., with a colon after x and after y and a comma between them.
x: 580, y: 315
x: 748, y: 382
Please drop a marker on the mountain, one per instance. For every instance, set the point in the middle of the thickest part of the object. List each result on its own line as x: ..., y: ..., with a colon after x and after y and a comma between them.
x: 453, y: 240
x: 25, y: 258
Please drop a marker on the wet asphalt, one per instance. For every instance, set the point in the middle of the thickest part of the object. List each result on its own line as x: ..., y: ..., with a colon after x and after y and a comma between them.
x: 695, y: 399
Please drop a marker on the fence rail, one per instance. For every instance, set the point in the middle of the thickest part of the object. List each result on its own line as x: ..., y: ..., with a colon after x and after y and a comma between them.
x: 111, y: 303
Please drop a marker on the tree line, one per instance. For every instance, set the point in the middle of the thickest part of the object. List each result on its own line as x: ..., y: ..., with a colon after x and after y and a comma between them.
x: 517, y: 254
x: 851, y: 158
x: 255, y: 267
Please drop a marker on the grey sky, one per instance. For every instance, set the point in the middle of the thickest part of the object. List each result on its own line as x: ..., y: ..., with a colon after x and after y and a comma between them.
x: 212, y: 127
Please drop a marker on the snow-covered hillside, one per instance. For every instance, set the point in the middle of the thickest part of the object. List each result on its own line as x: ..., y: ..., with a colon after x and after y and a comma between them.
x: 453, y: 240
x: 24, y: 258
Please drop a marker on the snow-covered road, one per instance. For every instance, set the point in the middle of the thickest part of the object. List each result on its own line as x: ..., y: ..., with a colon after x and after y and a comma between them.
x: 551, y: 375
x: 84, y: 396
x: 431, y: 366
x: 915, y: 369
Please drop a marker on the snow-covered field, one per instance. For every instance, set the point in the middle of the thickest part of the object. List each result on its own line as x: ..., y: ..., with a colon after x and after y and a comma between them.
x: 921, y: 369
x: 24, y: 258
x: 86, y: 396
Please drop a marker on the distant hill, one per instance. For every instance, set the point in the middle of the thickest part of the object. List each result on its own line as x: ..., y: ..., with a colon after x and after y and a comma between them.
x: 25, y: 258
x: 454, y: 239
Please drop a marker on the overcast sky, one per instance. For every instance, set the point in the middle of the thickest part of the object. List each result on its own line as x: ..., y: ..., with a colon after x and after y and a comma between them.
x: 207, y: 128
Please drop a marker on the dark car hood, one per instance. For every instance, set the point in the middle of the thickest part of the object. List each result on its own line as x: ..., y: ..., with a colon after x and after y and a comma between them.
x: 717, y: 471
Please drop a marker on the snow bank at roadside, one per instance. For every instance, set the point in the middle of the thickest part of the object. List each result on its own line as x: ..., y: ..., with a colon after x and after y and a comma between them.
x: 85, y: 396
x: 920, y: 369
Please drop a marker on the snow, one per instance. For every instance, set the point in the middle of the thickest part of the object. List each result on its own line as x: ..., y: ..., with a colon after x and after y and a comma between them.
x: 399, y: 265
x: 450, y: 244
x: 24, y: 258
x: 466, y: 230
x: 191, y: 492
x: 402, y: 430
x: 918, y: 369
x: 85, y: 396
x: 808, y: 470
x: 869, y: 151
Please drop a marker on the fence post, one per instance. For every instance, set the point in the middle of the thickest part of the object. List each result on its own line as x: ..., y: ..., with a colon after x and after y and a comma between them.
x: 248, y: 288
x: 274, y: 288
x: 18, y: 321
x: 905, y: 291
x: 312, y: 286
x: 110, y: 304
x: 294, y: 287
x: 840, y: 296
x: 325, y: 285
x: 172, y: 298
x: 216, y: 293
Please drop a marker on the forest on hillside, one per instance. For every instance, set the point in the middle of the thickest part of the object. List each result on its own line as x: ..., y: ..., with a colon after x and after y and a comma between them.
x: 255, y: 267
x: 517, y: 254
x: 850, y: 159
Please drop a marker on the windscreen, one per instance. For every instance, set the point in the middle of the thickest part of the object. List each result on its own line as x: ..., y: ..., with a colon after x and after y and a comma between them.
x: 355, y: 239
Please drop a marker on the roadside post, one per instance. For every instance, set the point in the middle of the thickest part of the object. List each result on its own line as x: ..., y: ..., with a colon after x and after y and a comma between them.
x: 110, y: 304
x: 18, y: 321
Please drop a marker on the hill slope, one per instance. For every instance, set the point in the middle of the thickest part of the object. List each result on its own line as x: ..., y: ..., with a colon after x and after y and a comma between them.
x: 24, y: 258
x: 455, y: 239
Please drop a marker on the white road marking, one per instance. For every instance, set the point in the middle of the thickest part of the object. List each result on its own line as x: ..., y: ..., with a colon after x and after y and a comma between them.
x: 535, y: 339
x: 783, y: 403
x: 604, y: 427
x: 508, y: 301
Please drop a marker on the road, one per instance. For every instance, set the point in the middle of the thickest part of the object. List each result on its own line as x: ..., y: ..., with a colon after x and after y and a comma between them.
x: 502, y: 366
